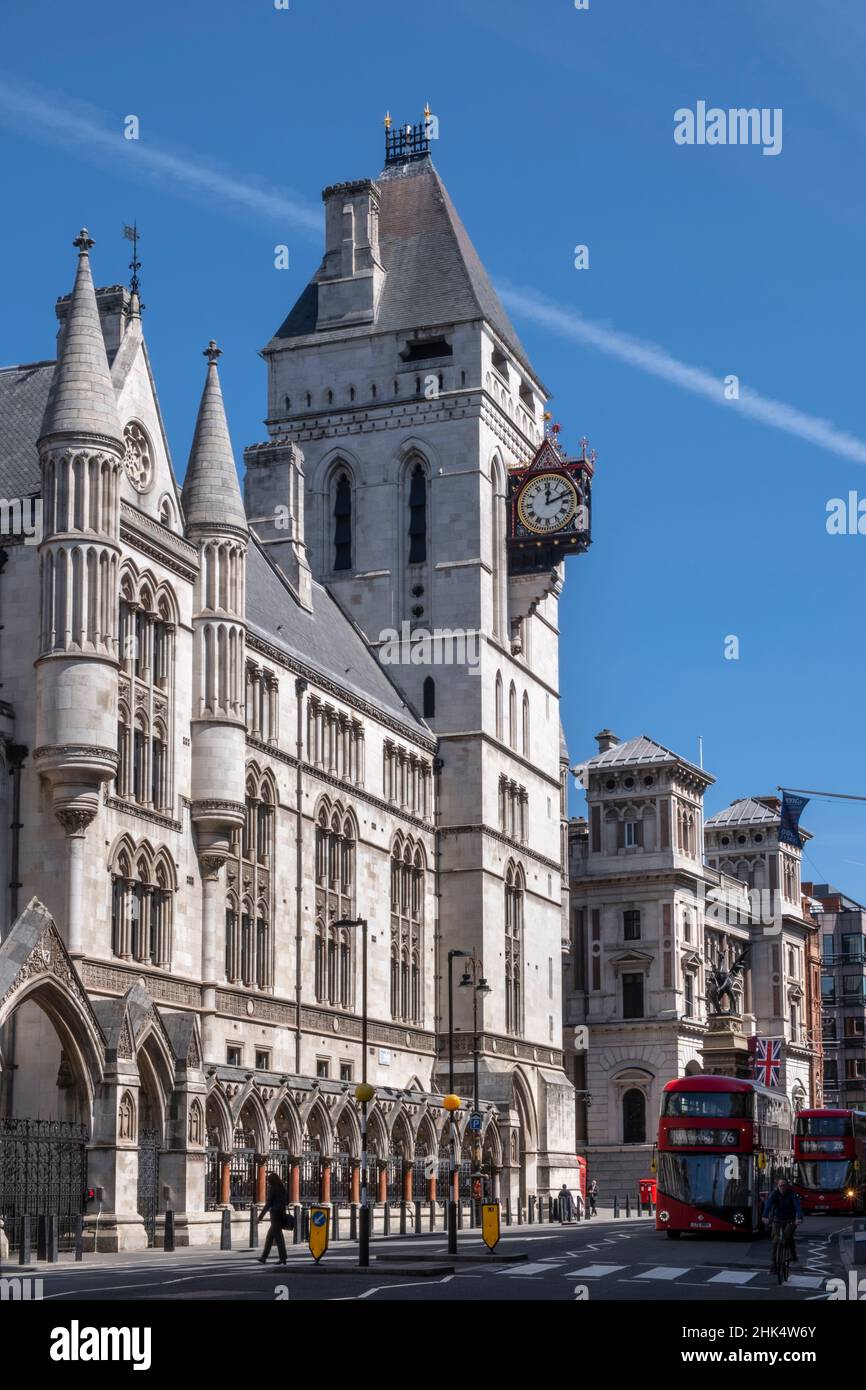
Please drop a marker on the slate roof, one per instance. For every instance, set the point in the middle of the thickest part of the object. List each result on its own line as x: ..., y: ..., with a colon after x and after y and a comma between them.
x: 746, y: 811
x: 638, y: 751
x: 434, y: 274
x: 325, y: 639
x: 23, y: 398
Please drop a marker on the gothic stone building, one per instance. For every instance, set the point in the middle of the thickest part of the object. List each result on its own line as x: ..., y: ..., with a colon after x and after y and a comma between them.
x: 207, y: 765
x: 658, y: 898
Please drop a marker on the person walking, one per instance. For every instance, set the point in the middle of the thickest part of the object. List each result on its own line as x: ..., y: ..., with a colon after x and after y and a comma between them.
x: 566, y: 1205
x: 276, y: 1209
x: 593, y: 1198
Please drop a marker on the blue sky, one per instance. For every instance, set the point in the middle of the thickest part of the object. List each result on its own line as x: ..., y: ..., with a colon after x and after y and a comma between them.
x: 556, y: 128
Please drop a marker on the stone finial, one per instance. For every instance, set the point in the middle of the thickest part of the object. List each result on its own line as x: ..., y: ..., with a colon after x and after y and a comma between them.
x: 83, y: 241
x: 212, y: 352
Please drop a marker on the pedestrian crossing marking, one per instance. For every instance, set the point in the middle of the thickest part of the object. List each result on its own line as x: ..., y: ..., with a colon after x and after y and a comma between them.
x: 733, y: 1276
x: 594, y: 1271
x: 807, y: 1281
x: 664, y: 1272
x: 522, y: 1270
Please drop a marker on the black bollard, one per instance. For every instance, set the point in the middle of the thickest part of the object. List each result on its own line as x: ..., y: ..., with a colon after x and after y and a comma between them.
x: 79, y: 1238
x: 51, y: 1241
x: 402, y: 1218
x: 41, y: 1237
x: 226, y: 1230
x: 531, y: 1213
x: 168, y: 1233
x: 305, y: 1224
x: 460, y: 1216
x: 508, y: 1211
x: 353, y: 1221
x: 24, y: 1248
x: 419, y: 1216
x: 627, y: 1205
x: 616, y: 1206
x: 386, y: 1219
x: 432, y: 1216
x: 551, y: 1214
x: 519, y: 1212
x: 254, y: 1229
x: 296, y: 1233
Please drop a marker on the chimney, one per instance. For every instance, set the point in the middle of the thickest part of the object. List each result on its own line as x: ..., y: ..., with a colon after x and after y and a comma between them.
x: 606, y: 739
x: 274, y: 503
x: 351, y: 276
x: 113, y: 304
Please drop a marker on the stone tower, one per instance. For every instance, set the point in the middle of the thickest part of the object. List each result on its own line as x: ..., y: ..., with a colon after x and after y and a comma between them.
x: 216, y: 524
x: 402, y: 380
x: 80, y: 452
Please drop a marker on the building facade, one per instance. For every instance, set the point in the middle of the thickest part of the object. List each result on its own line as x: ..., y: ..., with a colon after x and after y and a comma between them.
x: 227, y: 727
x: 842, y: 924
x: 656, y: 904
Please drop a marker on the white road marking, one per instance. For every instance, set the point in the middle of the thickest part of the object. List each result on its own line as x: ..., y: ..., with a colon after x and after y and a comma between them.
x: 733, y: 1276
x: 524, y: 1270
x: 664, y: 1272
x: 806, y: 1281
x: 594, y: 1271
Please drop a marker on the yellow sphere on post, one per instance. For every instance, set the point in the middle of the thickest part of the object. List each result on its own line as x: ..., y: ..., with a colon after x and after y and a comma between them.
x: 451, y: 1103
x: 364, y: 1091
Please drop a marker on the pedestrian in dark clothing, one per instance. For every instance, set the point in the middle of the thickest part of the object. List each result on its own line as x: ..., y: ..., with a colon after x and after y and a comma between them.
x: 566, y: 1204
x: 593, y: 1197
x: 276, y: 1208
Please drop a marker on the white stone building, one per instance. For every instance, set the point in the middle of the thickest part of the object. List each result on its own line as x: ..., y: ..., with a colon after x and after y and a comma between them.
x: 653, y: 909
x: 206, y: 763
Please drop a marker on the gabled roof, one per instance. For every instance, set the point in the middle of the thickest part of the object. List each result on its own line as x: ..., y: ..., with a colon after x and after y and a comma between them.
x: 746, y: 811
x: 23, y: 398
x: 433, y: 273
x: 325, y: 639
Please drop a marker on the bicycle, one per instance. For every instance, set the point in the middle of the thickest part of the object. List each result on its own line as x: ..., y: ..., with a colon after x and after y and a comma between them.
x: 783, y: 1249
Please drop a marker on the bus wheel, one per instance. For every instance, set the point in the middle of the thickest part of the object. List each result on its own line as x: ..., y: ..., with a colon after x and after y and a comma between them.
x: 673, y: 1235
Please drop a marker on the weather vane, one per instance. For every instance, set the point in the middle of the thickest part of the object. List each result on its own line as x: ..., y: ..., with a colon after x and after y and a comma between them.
x: 131, y: 234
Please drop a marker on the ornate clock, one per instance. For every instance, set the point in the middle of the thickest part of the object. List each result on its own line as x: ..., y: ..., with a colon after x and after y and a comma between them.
x: 549, y: 506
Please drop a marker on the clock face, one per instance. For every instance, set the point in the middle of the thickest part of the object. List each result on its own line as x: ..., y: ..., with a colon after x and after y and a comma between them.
x: 547, y: 503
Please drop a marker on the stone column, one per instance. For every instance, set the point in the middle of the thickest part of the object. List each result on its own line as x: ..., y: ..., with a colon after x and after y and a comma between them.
x: 356, y: 1180
x: 383, y: 1183
x: 225, y: 1160
x: 261, y: 1177
x: 325, y: 1187
x: 75, y: 820
x: 407, y: 1183
x: 294, y: 1181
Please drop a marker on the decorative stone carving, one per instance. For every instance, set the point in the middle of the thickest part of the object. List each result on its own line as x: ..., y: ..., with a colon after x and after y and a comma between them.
x: 75, y: 819
x: 211, y: 864
x: 196, y: 1123
x: 126, y: 1117
x: 138, y: 456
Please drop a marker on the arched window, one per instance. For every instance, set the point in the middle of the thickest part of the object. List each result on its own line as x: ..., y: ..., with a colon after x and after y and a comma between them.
x: 429, y: 698
x: 418, y: 516
x: 335, y: 886
x: 498, y: 705
x: 146, y: 629
x: 512, y: 715
x: 525, y: 724
x: 343, y: 521
x: 142, y: 904
x: 407, y: 910
x: 634, y: 1117
x: 513, y: 949
x: 249, y: 957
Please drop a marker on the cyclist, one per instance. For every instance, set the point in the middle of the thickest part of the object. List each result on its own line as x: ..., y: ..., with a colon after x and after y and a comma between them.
x: 782, y: 1209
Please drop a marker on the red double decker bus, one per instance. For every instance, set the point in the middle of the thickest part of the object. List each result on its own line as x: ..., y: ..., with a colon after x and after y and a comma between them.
x: 830, y: 1158
x: 722, y: 1144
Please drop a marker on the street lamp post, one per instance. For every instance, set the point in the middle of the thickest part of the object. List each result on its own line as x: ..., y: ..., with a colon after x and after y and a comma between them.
x: 473, y: 978
x: 452, y: 1117
x: 364, y: 1094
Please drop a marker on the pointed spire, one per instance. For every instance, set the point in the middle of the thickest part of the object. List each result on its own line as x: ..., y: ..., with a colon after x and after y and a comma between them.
x: 82, y: 399
x: 211, y: 492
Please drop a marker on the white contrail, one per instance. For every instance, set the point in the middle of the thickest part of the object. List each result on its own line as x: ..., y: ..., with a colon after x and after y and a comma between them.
x: 657, y: 361
x: 35, y: 114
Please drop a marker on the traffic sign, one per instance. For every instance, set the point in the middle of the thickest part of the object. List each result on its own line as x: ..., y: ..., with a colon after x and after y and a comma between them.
x: 320, y: 1226
x: 475, y: 1122
x: 490, y: 1229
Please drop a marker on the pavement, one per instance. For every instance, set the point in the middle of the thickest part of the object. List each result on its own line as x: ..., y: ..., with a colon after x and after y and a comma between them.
x: 600, y: 1260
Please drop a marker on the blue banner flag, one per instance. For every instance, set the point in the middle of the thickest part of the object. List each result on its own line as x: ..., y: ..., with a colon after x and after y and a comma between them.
x: 792, y: 809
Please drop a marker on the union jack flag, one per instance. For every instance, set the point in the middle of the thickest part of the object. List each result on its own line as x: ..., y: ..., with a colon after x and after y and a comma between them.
x: 768, y: 1061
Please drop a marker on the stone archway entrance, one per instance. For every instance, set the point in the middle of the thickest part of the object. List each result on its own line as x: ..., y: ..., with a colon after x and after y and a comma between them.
x: 149, y: 1145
